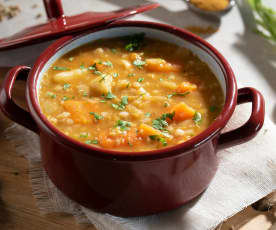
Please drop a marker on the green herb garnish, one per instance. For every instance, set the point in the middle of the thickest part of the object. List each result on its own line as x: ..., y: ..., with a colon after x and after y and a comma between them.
x: 93, y: 67
x: 85, y: 94
x: 131, y: 74
x: 115, y: 75
x: 65, y: 98
x: 96, y: 116
x: 109, y: 96
x: 166, y: 104
x: 147, y: 114
x: 60, y: 68
x: 71, y: 59
x: 179, y: 94
x: 83, y: 135
x: 140, y: 79
x: 265, y: 19
x: 122, y: 104
x: 158, y: 138
x: 124, y: 125
x: 66, y: 86
x: 197, y: 118
x: 135, y: 42
x: 107, y: 63
x: 89, y: 142
x: 51, y: 95
x: 82, y: 66
x: 139, y: 63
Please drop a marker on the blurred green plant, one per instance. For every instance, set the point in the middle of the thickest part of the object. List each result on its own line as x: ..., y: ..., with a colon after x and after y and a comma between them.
x: 265, y: 18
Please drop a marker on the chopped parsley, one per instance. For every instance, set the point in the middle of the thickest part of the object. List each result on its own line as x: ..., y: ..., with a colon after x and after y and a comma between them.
x: 92, y: 67
x: 213, y: 108
x: 51, y: 95
x: 85, y: 94
x: 66, y: 86
x: 147, y: 114
x: 60, y: 68
x: 166, y: 104
x: 96, y: 116
x: 71, y: 59
x: 140, y: 79
x: 134, y: 42
x: 131, y: 74
x: 159, y: 139
x: 161, y: 123
x: 107, y: 63
x: 82, y: 66
x: 197, y: 118
x: 83, y: 135
x: 139, y: 63
x: 123, y: 125
x: 122, y: 104
x: 65, y: 98
x: 89, y: 142
x: 179, y: 94
x: 115, y: 75
x: 98, y: 73
x: 109, y: 96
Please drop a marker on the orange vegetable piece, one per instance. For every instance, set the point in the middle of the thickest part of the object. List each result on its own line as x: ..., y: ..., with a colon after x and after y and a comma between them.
x: 80, y: 111
x: 182, y: 112
x: 134, y: 56
x: 110, y: 141
x: 186, y: 86
x: 160, y: 65
x: 146, y: 130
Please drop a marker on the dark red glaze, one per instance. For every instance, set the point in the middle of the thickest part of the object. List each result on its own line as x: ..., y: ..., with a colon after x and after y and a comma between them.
x: 140, y: 183
x: 59, y: 25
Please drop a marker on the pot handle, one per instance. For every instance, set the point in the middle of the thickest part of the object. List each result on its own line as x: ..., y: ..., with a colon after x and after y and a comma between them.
x: 250, y: 129
x: 7, y: 105
x: 53, y: 9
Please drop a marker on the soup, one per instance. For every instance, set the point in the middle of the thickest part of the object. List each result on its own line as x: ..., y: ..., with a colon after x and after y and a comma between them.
x: 130, y: 94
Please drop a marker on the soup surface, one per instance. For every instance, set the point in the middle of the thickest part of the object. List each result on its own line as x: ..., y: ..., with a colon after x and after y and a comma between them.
x: 130, y: 94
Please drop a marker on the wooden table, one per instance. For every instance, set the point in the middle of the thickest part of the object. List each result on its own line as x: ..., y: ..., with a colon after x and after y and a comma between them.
x: 18, y: 210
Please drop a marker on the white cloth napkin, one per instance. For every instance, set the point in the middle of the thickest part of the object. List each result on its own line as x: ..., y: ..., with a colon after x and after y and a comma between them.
x: 246, y: 173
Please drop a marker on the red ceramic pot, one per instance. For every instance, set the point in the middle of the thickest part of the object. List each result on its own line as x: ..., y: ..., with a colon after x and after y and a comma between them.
x: 127, y: 183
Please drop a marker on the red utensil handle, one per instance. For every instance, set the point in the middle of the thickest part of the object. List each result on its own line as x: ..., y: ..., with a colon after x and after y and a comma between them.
x: 53, y: 8
x: 7, y: 105
x: 250, y: 129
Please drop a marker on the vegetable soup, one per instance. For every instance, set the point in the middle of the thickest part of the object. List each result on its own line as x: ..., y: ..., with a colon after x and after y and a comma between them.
x: 130, y: 94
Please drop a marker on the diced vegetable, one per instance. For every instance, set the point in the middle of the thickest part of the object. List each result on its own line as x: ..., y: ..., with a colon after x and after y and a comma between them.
x: 80, y: 110
x: 182, y: 112
x: 160, y: 65
x: 146, y: 130
x: 101, y: 85
x: 185, y: 87
x: 69, y: 76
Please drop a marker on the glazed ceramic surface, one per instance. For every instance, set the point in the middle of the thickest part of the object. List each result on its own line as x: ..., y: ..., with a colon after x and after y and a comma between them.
x: 141, y: 183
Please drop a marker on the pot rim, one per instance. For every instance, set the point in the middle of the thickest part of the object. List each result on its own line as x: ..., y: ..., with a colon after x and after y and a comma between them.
x: 183, y: 148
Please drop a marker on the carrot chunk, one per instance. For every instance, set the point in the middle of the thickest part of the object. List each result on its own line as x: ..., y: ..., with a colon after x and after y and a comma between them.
x: 146, y: 130
x: 186, y: 86
x: 134, y: 56
x: 160, y: 65
x: 80, y: 110
x: 110, y: 141
x: 182, y: 112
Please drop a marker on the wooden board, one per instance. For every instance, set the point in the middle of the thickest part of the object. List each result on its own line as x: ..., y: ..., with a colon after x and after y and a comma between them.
x: 18, y: 210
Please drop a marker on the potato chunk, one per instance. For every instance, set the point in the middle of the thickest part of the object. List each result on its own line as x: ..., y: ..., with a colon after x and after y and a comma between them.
x: 101, y: 85
x: 69, y: 76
